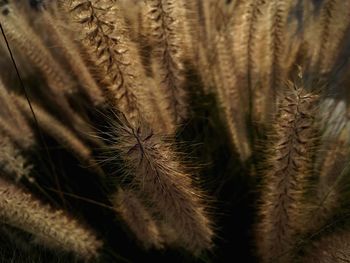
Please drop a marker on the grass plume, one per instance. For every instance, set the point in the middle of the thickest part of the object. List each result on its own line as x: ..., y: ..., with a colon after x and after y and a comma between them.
x: 288, y: 172
x: 53, y: 228
x: 156, y: 170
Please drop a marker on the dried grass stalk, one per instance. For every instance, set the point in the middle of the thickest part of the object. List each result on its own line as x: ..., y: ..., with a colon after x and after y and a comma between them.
x: 138, y: 218
x: 59, y: 132
x: 330, y: 28
x: 22, y: 36
x: 73, y: 57
x: 102, y: 30
x: 260, y: 61
x: 158, y: 117
x: 51, y: 228
x: 229, y: 94
x: 32, y: 48
x: 279, y: 12
x: 288, y: 173
x: 247, y: 14
x: 154, y: 168
x: 268, y: 51
x: 168, y: 56
x: 12, y: 122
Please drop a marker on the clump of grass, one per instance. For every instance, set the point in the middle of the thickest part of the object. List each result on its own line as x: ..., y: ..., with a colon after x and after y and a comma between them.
x: 106, y: 107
